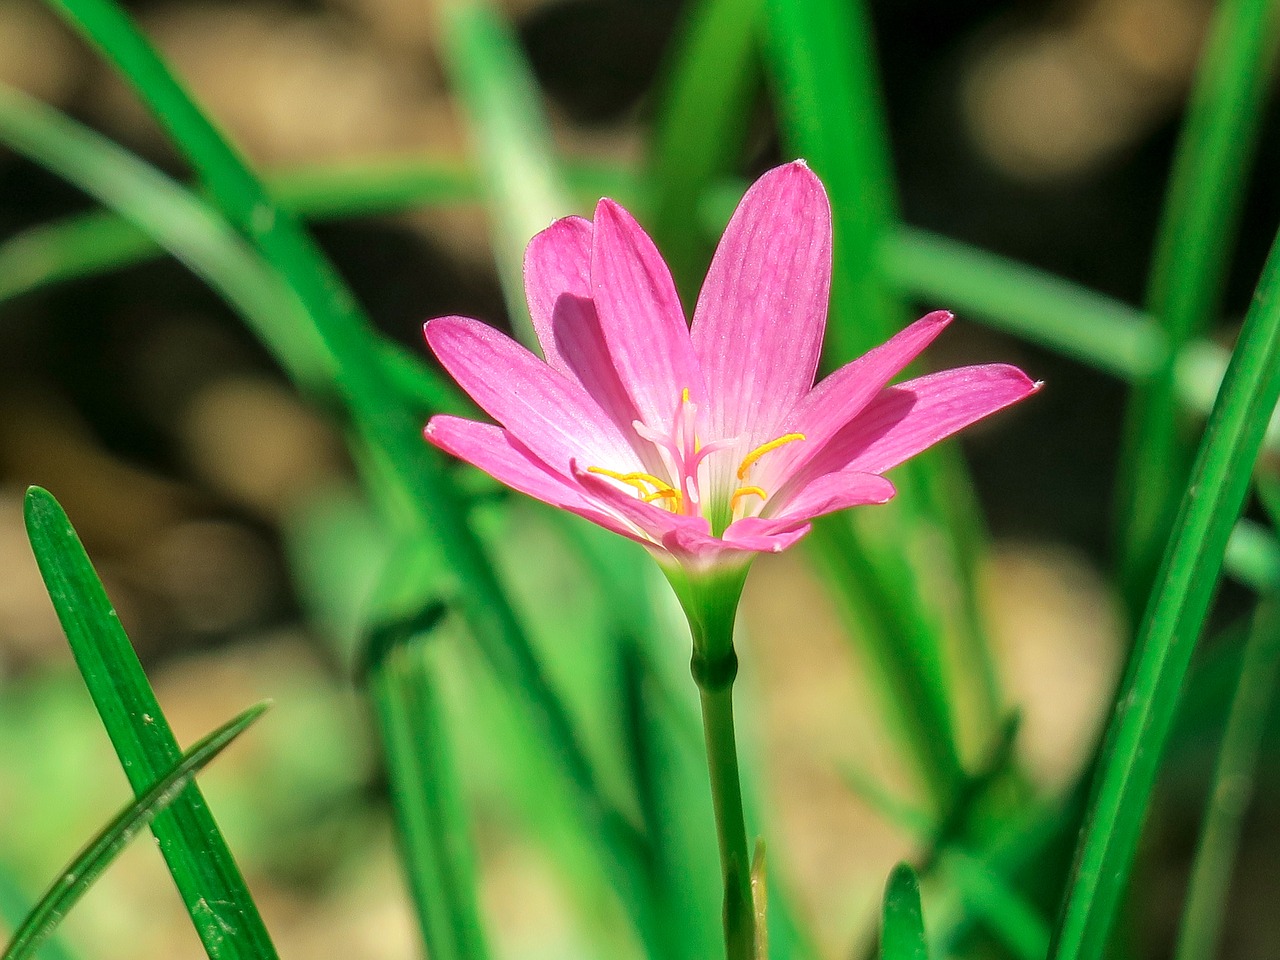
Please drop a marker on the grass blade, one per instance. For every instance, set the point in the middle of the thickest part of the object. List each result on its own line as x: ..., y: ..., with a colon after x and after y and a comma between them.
x: 1193, y: 250
x: 89, y: 244
x: 1206, y: 901
x: 902, y: 934
x: 524, y: 186
x: 85, y: 868
x: 171, y: 215
x: 1175, y: 615
x: 203, y: 868
x: 432, y: 505
x: 1028, y: 303
x: 425, y: 795
x: 702, y: 116
x: 988, y: 898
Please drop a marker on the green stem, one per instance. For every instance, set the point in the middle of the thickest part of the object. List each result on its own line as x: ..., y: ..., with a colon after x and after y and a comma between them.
x: 715, y: 685
x: 710, y: 602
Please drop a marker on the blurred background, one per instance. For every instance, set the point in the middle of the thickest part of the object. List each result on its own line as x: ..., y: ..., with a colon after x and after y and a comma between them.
x: 1040, y: 130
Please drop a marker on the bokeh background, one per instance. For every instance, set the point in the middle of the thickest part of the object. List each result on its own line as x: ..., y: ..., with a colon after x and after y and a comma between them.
x: 1040, y: 130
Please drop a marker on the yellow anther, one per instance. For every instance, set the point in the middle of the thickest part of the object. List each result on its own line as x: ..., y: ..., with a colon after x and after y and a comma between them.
x: 633, y: 479
x: 764, y: 448
x: 667, y: 494
x: 746, y: 492
x: 684, y: 395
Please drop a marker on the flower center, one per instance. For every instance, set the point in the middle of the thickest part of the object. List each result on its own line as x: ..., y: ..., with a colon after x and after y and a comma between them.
x: 682, y: 453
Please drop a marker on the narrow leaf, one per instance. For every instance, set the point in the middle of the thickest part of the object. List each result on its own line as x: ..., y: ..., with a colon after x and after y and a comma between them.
x: 85, y: 868
x: 902, y: 934
x: 1174, y: 618
x: 203, y: 868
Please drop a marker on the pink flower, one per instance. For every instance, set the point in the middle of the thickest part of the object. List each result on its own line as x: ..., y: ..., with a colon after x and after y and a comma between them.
x: 707, y: 444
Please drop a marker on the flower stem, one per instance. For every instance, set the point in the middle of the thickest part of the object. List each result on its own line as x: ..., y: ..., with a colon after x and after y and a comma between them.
x: 710, y: 601
x: 715, y: 684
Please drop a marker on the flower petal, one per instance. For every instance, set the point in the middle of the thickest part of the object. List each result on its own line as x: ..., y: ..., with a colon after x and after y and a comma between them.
x: 910, y: 417
x: 758, y: 326
x: 760, y: 535
x: 842, y: 395
x: 656, y: 522
x: 544, y: 409
x: 496, y: 452
x: 641, y: 317
x: 830, y: 492
x: 557, y: 283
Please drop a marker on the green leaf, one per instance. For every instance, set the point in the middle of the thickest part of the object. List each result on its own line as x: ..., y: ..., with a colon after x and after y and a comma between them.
x: 902, y: 934
x: 1207, y: 891
x: 704, y: 107
x: 85, y: 868
x: 1193, y: 252
x: 1174, y: 618
x: 206, y: 874
x: 1005, y: 912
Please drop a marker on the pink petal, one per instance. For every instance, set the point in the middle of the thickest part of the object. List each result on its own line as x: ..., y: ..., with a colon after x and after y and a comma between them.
x: 499, y: 454
x: 840, y: 397
x: 758, y: 326
x: 641, y: 316
x: 744, y: 537
x: 910, y: 417
x: 557, y: 282
x: 656, y: 522
x: 546, y: 411
x: 760, y: 535
x: 833, y: 491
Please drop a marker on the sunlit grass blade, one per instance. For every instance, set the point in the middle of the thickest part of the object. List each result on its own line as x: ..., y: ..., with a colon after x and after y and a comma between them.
x: 523, y: 183
x: 89, y: 244
x: 425, y: 794
x: 168, y: 213
x: 1174, y: 618
x: 1028, y: 303
x: 1206, y: 902
x: 1193, y: 251
x: 902, y: 934
x: 85, y: 868
x: 704, y: 108
x: 203, y: 868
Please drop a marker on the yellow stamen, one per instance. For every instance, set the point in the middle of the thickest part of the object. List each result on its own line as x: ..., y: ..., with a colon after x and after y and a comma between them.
x: 764, y: 448
x: 746, y: 492
x: 637, y: 480
x: 667, y: 494
x: 684, y: 395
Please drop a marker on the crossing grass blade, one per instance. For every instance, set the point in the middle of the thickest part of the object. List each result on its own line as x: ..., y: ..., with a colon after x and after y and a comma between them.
x: 1193, y: 251
x: 214, y: 892
x: 80, y: 874
x: 1175, y: 615
x: 902, y: 933
x: 704, y: 107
